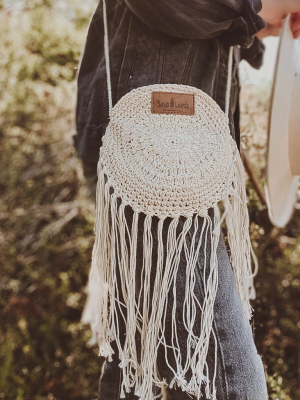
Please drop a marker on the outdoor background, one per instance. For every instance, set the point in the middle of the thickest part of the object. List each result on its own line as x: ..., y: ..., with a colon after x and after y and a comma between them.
x: 46, y: 218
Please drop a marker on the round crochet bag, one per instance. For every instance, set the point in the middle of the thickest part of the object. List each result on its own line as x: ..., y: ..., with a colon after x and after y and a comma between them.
x: 167, y: 153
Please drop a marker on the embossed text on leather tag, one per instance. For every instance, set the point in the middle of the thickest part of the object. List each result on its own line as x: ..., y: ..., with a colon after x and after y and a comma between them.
x: 172, y: 103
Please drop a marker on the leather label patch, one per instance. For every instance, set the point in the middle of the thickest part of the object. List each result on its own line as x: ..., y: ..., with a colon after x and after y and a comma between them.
x: 172, y: 103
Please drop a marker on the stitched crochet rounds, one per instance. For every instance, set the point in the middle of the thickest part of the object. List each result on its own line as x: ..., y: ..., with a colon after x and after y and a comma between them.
x: 168, y: 164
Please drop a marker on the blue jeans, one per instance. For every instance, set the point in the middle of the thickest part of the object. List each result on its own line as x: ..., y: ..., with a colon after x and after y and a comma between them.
x: 240, y: 371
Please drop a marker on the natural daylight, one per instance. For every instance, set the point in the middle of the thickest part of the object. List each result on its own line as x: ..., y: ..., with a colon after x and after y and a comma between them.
x: 47, y: 217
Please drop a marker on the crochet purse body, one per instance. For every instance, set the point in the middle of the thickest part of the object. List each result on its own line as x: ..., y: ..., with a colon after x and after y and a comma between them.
x: 168, y: 154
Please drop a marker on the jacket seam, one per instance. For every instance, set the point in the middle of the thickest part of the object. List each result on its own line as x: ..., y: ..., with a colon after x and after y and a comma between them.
x: 93, y: 85
x: 158, y: 63
x: 253, y: 26
x: 134, y: 56
x: 189, y: 62
x: 163, y: 63
x: 197, y: 45
x: 216, y: 11
x: 161, y: 57
x: 186, y: 64
x: 124, y: 53
x: 217, y: 83
x: 199, y: 6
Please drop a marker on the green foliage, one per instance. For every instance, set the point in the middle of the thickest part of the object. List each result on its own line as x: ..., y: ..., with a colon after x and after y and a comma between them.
x: 277, y: 307
x: 46, y: 219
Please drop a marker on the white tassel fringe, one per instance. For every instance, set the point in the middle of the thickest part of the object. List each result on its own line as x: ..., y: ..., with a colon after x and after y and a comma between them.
x: 116, y: 247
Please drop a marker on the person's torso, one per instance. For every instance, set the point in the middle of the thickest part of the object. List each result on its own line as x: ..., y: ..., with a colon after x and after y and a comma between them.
x: 142, y: 56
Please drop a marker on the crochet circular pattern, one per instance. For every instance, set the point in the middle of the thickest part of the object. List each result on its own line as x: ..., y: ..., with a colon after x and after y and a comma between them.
x: 168, y: 164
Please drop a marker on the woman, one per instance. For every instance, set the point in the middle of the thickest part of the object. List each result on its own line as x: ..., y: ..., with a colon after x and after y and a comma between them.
x: 184, y: 42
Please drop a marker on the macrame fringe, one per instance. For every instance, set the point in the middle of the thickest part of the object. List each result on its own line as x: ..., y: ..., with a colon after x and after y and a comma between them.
x: 237, y: 221
x: 148, y: 319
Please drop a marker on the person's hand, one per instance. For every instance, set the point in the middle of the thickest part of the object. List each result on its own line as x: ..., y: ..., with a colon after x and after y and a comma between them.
x: 274, y: 12
x: 295, y: 24
x: 270, y: 30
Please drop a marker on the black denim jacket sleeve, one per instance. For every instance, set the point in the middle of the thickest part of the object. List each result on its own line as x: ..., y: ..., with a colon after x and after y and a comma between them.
x: 233, y: 21
x: 254, y: 55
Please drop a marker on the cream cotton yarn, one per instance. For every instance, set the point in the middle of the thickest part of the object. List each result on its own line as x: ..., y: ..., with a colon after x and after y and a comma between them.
x: 168, y: 164
x: 164, y: 166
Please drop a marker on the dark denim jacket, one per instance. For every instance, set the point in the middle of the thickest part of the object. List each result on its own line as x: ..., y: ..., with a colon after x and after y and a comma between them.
x: 162, y: 41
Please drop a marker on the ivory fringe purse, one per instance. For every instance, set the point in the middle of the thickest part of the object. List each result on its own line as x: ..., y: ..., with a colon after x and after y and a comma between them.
x: 167, y: 153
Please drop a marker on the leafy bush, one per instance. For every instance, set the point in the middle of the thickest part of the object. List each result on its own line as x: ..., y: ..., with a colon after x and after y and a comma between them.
x: 46, y: 219
x: 46, y: 216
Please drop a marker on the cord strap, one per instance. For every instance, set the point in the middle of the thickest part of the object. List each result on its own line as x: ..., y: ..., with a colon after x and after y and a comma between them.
x: 108, y: 75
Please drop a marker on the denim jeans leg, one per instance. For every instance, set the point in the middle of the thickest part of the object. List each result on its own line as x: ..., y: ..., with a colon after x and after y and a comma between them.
x: 240, y: 372
x: 90, y: 174
x: 111, y: 378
